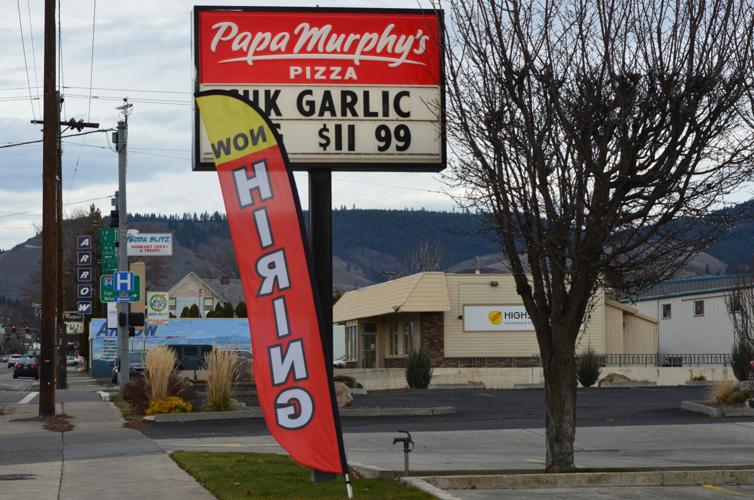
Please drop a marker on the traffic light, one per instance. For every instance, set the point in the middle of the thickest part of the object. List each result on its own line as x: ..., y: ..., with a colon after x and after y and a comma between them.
x: 114, y: 218
x: 131, y: 331
x: 26, y: 329
x: 13, y: 328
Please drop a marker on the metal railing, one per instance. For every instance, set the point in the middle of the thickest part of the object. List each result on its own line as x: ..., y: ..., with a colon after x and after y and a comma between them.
x: 659, y: 360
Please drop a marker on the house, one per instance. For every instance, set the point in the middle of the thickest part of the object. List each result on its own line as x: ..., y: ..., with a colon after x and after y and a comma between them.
x: 471, y: 320
x: 692, y: 315
x: 204, y: 293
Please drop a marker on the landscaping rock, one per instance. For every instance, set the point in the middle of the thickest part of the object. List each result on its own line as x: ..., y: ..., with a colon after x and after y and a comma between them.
x: 342, y: 395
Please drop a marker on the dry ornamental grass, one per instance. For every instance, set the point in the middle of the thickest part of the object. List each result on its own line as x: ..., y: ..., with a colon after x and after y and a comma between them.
x: 160, y: 365
x: 223, y: 371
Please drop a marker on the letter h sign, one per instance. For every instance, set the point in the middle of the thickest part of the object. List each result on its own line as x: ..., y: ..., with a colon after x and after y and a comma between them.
x: 124, y: 281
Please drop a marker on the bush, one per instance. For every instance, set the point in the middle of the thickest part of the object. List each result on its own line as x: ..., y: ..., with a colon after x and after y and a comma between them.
x: 699, y: 378
x: 160, y: 366
x: 223, y: 371
x: 135, y: 392
x: 737, y: 397
x: 419, y: 370
x: 170, y: 404
x: 741, y: 356
x: 720, y: 392
x: 588, y: 368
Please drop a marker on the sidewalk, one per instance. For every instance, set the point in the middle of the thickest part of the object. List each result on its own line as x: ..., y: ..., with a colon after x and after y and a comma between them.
x: 99, y: 458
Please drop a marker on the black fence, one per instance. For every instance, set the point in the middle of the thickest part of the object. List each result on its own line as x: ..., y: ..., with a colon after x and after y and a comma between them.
x: 673, y: 360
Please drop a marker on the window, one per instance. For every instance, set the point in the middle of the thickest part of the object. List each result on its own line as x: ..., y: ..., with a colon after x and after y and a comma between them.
x: 352, y: 345
x: 698, y: 308
x: 395, y: 339
x: 408, y: 337
x: 209, y: 304
x: 666, y: 311
x: 172, y: 303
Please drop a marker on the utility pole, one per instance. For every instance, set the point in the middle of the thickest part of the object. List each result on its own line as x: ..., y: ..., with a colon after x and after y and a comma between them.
x: 61, y: 377
x: 121, y: 141
x: 49, y: 220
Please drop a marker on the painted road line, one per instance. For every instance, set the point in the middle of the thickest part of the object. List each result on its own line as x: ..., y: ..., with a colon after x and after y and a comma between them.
x: 727, y: 491
x: 28, y: 398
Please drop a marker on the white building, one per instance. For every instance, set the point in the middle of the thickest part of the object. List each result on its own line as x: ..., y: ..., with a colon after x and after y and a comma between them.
x: 691, y: 314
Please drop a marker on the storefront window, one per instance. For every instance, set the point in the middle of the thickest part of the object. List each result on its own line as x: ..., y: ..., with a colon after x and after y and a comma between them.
x: 408, y: 337
x: 395, y: 347
x: 352, y: 345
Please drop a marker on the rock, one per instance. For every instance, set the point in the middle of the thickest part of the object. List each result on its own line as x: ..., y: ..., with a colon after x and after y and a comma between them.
x: 342, y: 395
x: 614, y: 378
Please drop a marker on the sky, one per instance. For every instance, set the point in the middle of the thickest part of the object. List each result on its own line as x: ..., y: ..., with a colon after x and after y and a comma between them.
x: 142, y: 51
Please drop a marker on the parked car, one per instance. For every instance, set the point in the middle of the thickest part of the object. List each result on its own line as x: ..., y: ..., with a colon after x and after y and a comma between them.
x: 340, y: 362
x: 136, y: 362
x: 4, y: 358
x: 13, y: 359
x: 74, y: 361
x: 26, y: 367
x: 190, y: 356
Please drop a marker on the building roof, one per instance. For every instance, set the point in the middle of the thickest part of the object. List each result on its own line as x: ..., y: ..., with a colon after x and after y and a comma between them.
x: 422, y: 292
x: 230, y: 289
x: 692, y: 286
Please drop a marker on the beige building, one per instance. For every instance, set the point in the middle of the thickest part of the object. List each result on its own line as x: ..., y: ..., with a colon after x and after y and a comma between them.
x: 470, y: 320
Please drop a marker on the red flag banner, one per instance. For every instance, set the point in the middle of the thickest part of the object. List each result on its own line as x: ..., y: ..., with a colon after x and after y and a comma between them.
x: 264, y: 215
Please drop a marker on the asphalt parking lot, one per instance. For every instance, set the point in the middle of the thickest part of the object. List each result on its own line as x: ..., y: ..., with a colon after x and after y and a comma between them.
x: 488, y: 410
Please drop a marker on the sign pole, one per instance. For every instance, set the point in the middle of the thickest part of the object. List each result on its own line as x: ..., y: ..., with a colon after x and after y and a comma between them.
x: 123, y: 373
x: 320, y: 248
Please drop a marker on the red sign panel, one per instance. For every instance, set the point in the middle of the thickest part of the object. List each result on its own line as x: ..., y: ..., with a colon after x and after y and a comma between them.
x: 318, y: 47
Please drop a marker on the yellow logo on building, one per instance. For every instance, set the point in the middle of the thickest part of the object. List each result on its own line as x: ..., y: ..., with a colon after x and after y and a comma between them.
x: 495, y: 317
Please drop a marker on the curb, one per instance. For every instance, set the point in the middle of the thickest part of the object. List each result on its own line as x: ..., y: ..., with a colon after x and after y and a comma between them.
x: 470, y: 385
x: 529, y: 386
x: 427, y: 487
x: 713, y: 411
x: 591, y: 479
x: 253, y: 412
x: 628, y: 385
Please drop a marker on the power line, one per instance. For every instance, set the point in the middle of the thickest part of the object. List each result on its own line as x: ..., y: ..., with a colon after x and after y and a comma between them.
x: 393, y: 186
x: 26, y: 64
x: 89, y: 107
x: 62, y: 137
x: 150, y: 91
x: 33, y: 54
x: 78, y: 202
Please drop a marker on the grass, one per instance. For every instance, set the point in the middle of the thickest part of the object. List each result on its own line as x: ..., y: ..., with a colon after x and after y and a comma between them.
x: 256, y: 475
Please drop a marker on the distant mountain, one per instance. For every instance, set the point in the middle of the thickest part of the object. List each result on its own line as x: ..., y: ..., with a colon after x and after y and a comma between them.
x: 369, y: 246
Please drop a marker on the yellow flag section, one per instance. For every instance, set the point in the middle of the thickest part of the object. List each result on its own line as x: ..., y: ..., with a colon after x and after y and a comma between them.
x: 234, y: 128
x: 264, y: 215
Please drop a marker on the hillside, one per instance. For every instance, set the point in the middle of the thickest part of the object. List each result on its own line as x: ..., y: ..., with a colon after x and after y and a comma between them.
x: 369, y: 246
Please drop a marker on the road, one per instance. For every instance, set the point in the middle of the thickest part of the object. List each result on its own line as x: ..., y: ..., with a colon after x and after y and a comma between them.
x: 25, y: 390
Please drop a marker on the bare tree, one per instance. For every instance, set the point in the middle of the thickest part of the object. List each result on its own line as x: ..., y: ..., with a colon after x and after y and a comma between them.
x: 598, y: 138
x: 422, y: 256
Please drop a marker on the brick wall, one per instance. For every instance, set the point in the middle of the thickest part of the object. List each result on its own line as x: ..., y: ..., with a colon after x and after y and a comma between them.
x: 432, y: 330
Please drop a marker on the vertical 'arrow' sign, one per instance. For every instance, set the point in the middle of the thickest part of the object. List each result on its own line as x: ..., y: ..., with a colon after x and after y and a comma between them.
x: 264, y: 215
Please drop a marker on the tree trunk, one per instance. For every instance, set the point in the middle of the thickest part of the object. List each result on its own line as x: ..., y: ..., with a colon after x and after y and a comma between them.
x: 560, y: 407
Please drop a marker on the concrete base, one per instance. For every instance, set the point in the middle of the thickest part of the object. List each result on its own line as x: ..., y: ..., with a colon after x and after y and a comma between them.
x: 714, y: 411
x: 508, y: 378
x: 591, y: 479
x: 253, y: 412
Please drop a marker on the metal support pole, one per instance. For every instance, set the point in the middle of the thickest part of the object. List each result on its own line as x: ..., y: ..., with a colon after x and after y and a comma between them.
x: 320, y: 247
x: 49, y: 220
x: 122, y: 136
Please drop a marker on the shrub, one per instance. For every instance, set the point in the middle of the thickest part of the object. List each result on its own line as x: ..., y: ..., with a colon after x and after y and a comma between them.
x: 699, y: 378
x: 419, y: 370
x: 588, y: 368
x: 222, y: 367
x: 160, y: 366
x: 741, y: 356
x: 737, y: 397
x: 720, y: 392
x: 170, y: 404
x: 135, y: 392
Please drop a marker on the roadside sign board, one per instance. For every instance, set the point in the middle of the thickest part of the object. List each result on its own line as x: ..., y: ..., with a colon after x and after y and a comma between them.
x: 84, y: 275
x: 83, y: 242
x: 354, y: 89
x: 107, y: 291
x: 85, y: 307
x: 72, y: 316
x: 84, y: 290
x: 112, y: 315
x: 85, y: 258
x: 123, y: 281
x: 158, y: 308
x: 107, y: 238
x: 150, y: 244
x: 74, y: 327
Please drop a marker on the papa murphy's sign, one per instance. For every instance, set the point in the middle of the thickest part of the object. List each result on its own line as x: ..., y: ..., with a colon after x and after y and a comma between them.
x: 353, y: 89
